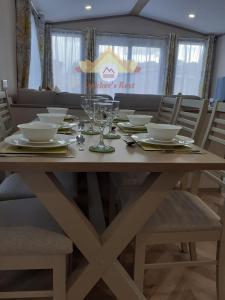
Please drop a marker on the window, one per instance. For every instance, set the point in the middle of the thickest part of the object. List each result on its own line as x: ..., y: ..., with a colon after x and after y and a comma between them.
x: 140, y: 64
x: 35, y: 80
x: 189, y: 71
x: 67, y: 51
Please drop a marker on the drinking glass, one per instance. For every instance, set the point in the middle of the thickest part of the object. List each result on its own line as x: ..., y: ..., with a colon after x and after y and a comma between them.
x: 102, y: 111
x: 88, y: 106
x: 113, y: 115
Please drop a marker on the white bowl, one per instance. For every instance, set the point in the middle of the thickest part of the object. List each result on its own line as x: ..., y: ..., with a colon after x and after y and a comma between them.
x: 57, y: 110
x: 38, y: 131
x: 51, y: 118
x: 124, y: 112
x: 139, y: 120
x: 162, y: 132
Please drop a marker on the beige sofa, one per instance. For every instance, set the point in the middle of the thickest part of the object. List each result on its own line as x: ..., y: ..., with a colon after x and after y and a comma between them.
x: 27, y: 103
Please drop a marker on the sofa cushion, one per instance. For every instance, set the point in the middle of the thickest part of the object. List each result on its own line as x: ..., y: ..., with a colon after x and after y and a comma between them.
x: 67, y: 99
x: 71, y: 100
x: 138, y: 101
x: 28, y: 96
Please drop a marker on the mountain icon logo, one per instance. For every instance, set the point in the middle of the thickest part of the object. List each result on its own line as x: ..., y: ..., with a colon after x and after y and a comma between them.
x: 108, y: 73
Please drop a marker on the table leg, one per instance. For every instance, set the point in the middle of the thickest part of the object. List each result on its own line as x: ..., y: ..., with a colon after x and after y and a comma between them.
x: 102, y: 251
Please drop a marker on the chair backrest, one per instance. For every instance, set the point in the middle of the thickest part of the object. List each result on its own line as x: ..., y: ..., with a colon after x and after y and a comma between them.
x: 215, y: 135
x: 6, y: 125
x: 190, y: 114
x: 167, y: 109
x: 216, y: 127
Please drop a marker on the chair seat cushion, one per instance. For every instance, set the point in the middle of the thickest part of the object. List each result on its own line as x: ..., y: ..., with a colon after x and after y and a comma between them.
x: 183, y: 211
x: 28, y: 240
x: 27, y: 227
x: 13, y: 187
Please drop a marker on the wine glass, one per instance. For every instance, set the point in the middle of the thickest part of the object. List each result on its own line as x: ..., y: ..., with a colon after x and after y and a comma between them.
x: 102, y: 111
x: 113, y: 115
x: 88, y: 106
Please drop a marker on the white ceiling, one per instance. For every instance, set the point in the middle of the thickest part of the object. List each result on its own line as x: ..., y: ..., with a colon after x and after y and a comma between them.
x: 210, y: 14
x: 63, y: 10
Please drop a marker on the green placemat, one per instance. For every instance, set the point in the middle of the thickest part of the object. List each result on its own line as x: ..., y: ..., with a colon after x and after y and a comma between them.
x: 108, y: 149
x: 8, y: 149
x: 66, y: 131
x: 120, y: 120
x: 132, y: 130
x: 89, y: 132
x: 190, y: 149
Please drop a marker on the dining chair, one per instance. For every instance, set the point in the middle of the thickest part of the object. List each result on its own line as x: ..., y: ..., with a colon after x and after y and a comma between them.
x: 6, y: 124
x: 167, y: 109
x: 32, y: 240
x: 215, y: 137
x: 184, y: 218
x: 12, y: 186
x: 190, y: 114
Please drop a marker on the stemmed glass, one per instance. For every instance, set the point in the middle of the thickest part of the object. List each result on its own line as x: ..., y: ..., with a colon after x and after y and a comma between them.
x: 102, y: 111
x: 88, y: 106
x: 113, y: 115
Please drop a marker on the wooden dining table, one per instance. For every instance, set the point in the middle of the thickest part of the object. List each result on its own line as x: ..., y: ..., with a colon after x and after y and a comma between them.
x: 102, y: 250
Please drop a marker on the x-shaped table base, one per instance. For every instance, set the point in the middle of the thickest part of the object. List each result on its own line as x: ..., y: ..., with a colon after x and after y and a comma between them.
x: 102, y: 251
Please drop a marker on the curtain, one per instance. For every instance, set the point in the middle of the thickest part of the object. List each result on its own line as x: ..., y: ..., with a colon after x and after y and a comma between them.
x: 208, y: 66
x: 170, y: 64
x: 35, y: 70
x: 40, y: 29
x: 48, y: 72
x: 90, y: 45
x: 23, y: 41
x: 66, y: 57
x: 137, y: 63
x: 190, y: 66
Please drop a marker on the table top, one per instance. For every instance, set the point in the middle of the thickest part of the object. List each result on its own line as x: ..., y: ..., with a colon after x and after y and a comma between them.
x: 124, y: 159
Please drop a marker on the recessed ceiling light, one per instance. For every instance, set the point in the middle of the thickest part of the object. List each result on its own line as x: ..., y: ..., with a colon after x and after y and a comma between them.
x: 191, y: 16
x: 88, y: 7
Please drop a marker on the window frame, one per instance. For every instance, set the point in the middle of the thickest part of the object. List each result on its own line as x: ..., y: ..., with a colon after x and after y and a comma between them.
x: 144, y: 39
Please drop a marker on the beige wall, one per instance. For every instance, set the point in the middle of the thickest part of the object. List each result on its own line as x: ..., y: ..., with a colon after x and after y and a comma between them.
x: 128, y: 24
x: 8, y: 44
x: 219, y: 63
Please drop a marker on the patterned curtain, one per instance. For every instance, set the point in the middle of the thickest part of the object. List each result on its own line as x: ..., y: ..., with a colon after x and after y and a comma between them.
x: 170, y: 64
x: 23, y: 41
x: 90, y: 46
x: 48, y: 73
x: 208, y: 66
x: 40, y: 25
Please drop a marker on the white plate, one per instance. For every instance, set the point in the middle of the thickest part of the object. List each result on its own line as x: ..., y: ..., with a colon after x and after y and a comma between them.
x: 179, y: 140
x: 60, y: 140
x: 129, y: 125
x: 25, y: 140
